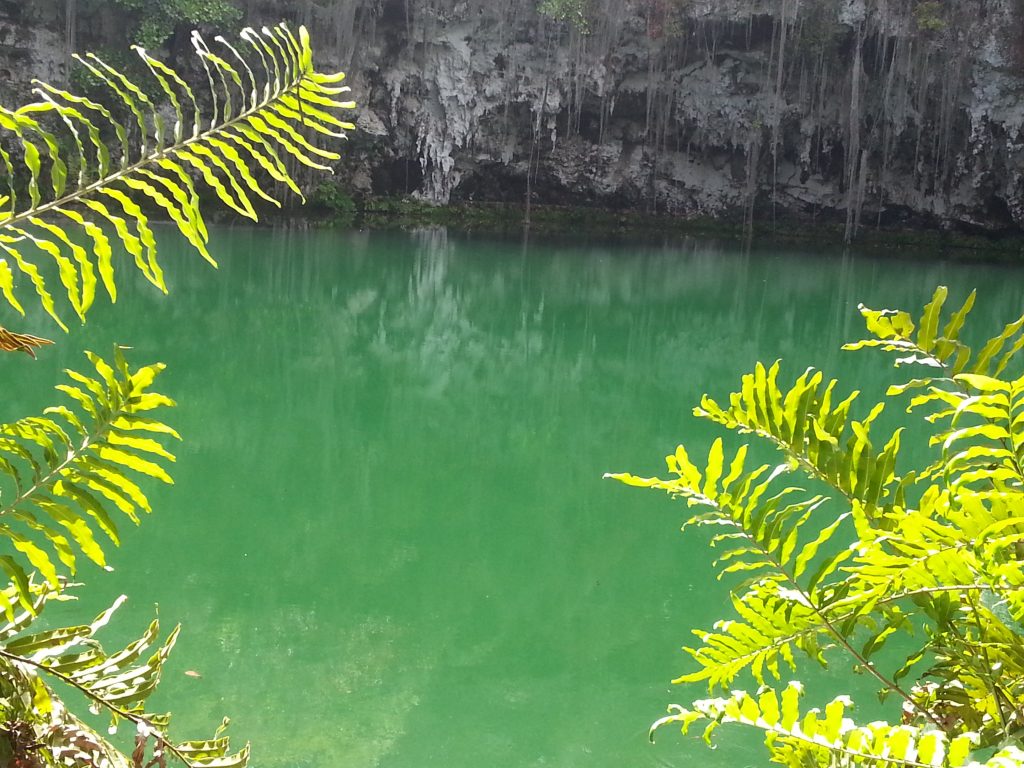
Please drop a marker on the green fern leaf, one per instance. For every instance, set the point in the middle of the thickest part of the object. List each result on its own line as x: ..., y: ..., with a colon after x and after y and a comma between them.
x: 818, y: 437
x: 812, y: 737
x: 923, y: 345
x: 249, y: 127
x: 119, y: 683
x: 51, y: 483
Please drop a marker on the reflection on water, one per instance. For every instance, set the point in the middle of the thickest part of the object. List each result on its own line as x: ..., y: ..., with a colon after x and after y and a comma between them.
x: 389, y: 542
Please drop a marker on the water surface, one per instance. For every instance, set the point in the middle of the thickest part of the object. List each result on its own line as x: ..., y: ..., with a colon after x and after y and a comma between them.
x: 389, y: 541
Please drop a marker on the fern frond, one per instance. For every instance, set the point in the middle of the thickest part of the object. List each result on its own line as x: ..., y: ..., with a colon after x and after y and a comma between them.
x: 954, y: 543
x: 983, y: 439
x: 119, y: 683
x: 811, y: 737
x: 771, y: 625
x: 213, y: 753
x: 763, y: 531
x: 264, y: 103
x: 763, y: 526
x: 936, y: 553
x: 924, y: 343
x: 975, y: 679
x: 59, y: 472
x: 814, y: 433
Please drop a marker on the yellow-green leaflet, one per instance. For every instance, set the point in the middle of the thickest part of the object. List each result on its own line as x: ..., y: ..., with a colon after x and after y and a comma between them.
x: 251, y: 102
x: 193, y: 200
x: 45, y: 298
x: 7, y: 286
x: 241, y: 206
x: 184, y: 222
x: 222, y: 166
x: 102, y: 152
x: 231, y: 154
x: 286, y: 142
x: 145, y: 233
x: 131, y: 243
x: 269, y: 161
x: 86, y: 272
x: 65, y: 269
x: 100, y: 248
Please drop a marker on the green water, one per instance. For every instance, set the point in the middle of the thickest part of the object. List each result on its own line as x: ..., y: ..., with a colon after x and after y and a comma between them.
x: 389, y: 541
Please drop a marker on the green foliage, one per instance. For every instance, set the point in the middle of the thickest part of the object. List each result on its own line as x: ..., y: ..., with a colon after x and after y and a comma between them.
x: 262, y: 106
x: 333, y: 197
x: 669, y: 18
x: 815, y: 738
x: 60, y: 471
x: 820, y: 32
x: 574, y: 12
x: 38, y: 725
x: 62, y: 474
x: 930, y: 555
x: 156, y: 20
x: 930, y: 16
x: 78, y: 176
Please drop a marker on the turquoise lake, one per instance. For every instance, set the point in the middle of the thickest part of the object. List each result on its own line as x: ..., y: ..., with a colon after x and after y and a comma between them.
x: 389, y: 541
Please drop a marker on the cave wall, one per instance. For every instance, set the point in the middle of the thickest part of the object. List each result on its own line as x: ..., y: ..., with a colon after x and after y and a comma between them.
x: 898, y: 111
x: 858, y: 111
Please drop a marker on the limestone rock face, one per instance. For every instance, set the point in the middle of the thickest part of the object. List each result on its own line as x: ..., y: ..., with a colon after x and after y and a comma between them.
x: 899, y: 111
x: 31, y: 46
x: 864, y: 110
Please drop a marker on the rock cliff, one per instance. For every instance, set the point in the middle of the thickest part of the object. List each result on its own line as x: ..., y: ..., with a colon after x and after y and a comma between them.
x: 858, y: 111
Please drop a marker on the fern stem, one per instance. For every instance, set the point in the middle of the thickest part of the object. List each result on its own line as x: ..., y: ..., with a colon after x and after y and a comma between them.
x: 890, y: 684
x: 161, y: 737
x: 44, y: 481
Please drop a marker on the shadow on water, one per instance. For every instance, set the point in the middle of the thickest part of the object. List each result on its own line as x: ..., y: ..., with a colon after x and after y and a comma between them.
x: 389, y: 541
